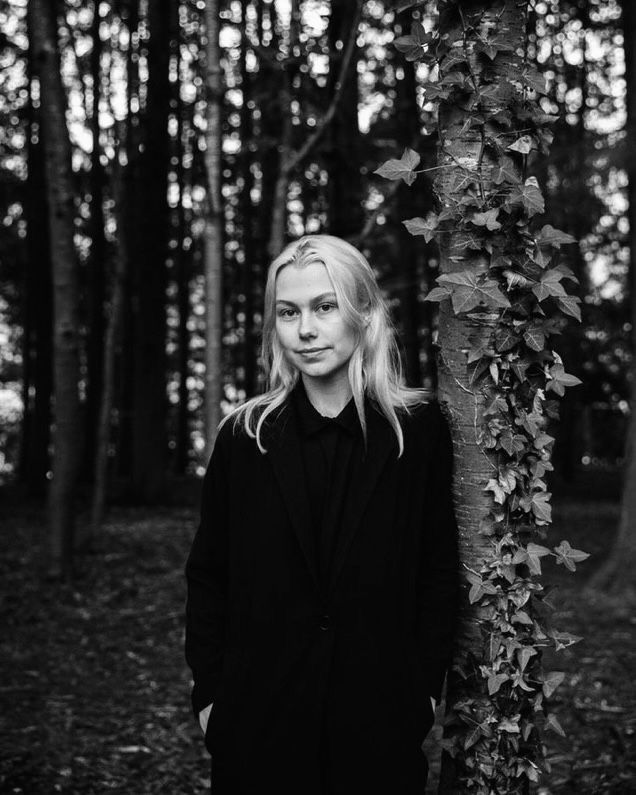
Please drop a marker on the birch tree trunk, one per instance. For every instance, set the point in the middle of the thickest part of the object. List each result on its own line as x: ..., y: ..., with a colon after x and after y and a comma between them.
x: 214, y: 223
x: 57, y: 155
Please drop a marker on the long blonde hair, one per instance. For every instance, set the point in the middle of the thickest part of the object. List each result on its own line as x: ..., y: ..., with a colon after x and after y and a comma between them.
x: 374, y: 367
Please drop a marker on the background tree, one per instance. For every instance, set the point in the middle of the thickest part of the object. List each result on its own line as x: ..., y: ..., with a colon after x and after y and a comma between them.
x: 59, y: 190
x: 214, y: 223
x: 617, y: 573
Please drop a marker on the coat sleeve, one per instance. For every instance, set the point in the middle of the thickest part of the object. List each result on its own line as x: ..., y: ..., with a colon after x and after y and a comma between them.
x: 439, y: 570
x: 206, y: 574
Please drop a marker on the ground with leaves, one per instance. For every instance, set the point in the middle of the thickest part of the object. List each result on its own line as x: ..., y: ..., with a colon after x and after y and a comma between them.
x: 94, y: 694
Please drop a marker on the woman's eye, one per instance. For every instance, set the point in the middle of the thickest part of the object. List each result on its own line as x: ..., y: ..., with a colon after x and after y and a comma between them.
x: 326, y: 307
x: 286, y: 313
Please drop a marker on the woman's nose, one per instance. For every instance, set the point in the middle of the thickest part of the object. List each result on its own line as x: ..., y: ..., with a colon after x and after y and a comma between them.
x: 306, y: 328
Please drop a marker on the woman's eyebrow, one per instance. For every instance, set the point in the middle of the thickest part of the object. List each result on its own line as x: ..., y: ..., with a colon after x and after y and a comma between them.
x: 316, y: 300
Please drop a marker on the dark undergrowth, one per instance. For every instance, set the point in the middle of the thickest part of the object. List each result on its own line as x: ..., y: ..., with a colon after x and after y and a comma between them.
x: 94, y: 692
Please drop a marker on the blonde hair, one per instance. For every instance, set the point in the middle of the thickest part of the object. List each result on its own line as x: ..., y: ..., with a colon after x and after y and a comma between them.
x: 374, y: 367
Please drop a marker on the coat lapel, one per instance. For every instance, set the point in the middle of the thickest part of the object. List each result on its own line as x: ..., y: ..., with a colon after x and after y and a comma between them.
x: 366, y: 470
x: 287, y: 462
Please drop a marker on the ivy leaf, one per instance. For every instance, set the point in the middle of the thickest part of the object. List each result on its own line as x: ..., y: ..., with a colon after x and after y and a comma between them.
x: 534, y: 338
x: 564, y: 639
x: 437, y: 294
x: 498, y: 492
x: 569, y: 557
x: 553, y: 723
x: 523, y: 145
x: 433, y: 91
x: 495, y: 682
x: 467, y: 292
x: 524, y: 654
x: 535, y: 552
x: 505, y: 339
x: 488, y: 49
x: 551, y: 682
x: 541, y: 507
x: 487, y: 219
x: 521, y: 617
x: 402, y: 168
x: 512, y: 443
x: 549, y: 284
x: 549, y: 236
x: 535, y: 80
x: 559, y: 379
x: 423, y: 226
x: 414, y: 45
x: 528, y: 196
x: 570, y: 305
x: 510, y: 725
x: 505, y: 173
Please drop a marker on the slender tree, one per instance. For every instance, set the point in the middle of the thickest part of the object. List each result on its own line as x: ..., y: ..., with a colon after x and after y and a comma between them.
x: 37, y: 352
x: 291, y: 158
x: 59, y: 184
x: 214, y: 223
x: 150, y: 444
x: 96, y: 283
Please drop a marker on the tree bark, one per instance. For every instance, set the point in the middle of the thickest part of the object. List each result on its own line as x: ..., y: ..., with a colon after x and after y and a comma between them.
x: 126, y: 364
x: 67, y: 429
x: 150, y: 443
x: 183, y: 268
x: 247, y: 218
x: 214, y: 226
x: 108, y: 376
x: 460, y: 153
x: 616, y: 575
x: 345, y: 191
x: 96, y: 283
x: 37, y: 348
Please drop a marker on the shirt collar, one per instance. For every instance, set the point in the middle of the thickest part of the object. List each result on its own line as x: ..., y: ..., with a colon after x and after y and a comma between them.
x: 311, y: 421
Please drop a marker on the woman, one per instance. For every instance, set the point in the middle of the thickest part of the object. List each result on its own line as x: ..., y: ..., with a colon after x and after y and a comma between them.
x: 322, y: 581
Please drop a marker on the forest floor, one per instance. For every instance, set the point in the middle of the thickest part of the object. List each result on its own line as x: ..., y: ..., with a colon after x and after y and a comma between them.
x: 94, y: 692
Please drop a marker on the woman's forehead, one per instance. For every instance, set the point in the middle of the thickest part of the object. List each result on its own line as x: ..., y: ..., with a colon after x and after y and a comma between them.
x: 294, y: 279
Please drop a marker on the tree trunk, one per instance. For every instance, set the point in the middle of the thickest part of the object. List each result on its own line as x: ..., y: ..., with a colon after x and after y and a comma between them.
x: 150, y: 444
x: 57, y: 150
x: 214, y: 226
x: 616, y: 575
x: 183, y: 264
x: 97, y: 262
x: 342, y: 156
x: 37, y: 349
x: 278, y: 233
x: 108, y: 377
x: 247, y: 218
x: 461, y: 152
x: 126, y: 364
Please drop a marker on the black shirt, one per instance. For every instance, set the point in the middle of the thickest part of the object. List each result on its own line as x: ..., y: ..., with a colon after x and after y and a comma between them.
x: 328, y: 445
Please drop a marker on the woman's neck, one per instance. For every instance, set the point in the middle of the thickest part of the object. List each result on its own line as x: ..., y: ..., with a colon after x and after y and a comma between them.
x: 330, y: 397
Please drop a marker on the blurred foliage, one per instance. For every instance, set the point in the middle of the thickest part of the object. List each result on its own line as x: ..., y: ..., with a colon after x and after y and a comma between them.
x: 577, y: 44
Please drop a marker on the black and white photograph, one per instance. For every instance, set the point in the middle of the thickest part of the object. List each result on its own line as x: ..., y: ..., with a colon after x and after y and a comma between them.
x: 317, y: 397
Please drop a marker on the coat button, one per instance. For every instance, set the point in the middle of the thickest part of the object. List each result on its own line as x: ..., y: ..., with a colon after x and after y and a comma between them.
x: 325, y: 622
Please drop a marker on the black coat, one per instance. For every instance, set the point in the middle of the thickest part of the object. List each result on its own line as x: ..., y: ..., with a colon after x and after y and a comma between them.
x: 323, y: 689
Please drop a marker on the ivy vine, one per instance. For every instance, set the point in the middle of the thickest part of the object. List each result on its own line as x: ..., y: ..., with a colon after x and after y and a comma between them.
x: 498, y: 718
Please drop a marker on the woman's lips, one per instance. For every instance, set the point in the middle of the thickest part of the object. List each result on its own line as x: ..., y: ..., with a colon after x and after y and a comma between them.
x: 311, y: 351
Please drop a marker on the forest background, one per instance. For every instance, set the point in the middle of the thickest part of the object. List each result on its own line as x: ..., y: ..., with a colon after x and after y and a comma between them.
x: 311, y: 98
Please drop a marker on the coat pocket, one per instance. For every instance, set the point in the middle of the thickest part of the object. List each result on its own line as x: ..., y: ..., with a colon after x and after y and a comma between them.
x: 227, y: 700
x: 424, y: 715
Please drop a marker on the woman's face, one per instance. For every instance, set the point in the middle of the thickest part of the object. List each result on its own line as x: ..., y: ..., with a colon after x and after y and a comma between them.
x: 309, y: 323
